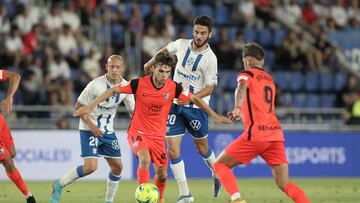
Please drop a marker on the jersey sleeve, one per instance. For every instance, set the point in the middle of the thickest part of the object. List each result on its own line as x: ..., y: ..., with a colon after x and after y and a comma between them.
x: 245, y: 76
x: 181, y: 93
x: 172, y: 47
x: 87, y: 95
x: 129, y: 102
x: 129, y: 88
x: 211, y: 72
x: 2, y: 75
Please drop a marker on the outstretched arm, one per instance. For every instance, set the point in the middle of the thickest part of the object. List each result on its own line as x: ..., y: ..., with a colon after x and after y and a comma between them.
x: 86, y: 109
x: 217, y: 118
x: 7, y: 102
x: 240, y: 94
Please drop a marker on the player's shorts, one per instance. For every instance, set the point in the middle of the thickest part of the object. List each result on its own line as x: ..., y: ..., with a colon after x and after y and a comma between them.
x: 273, y: 152
x: 93, y: 147
x: 156, y: 148
x: 186, y: 118
x: 6, y: 140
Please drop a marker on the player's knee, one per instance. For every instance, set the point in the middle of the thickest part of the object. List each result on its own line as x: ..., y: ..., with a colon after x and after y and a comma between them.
x: 173, y: 153
x: 281, y: 182
x: 144, y: 163
x: 162, y: 177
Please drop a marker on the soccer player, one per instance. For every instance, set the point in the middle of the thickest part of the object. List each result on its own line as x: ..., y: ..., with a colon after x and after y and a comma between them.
x: 263, y: 135
x: 153, y: 98
x: 7, y: 147
x: 196, y: 70
x: 97, y: 134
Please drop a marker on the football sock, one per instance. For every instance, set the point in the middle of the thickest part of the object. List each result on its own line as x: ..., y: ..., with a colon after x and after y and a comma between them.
x: 16, y: 178
x: 227, y: 178
x: 295, y: 193
x: 143, y: 175
x: 112, y: 186
x: 209, y: 158
x: 178, y: 169
x: 71, y: 176
x: 160, y: 186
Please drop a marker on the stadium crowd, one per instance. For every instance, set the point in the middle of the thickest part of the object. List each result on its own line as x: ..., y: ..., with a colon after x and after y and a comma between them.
x: 50, y: 45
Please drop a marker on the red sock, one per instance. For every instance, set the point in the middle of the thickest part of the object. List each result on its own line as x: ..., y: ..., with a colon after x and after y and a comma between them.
x: 16, y: 178
x: 143, y: 175
x: 295, y: 193
x: 226, y: 177
x: 160, y: 186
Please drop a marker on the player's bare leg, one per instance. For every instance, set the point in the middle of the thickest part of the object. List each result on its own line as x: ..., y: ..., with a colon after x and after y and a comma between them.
x: 178, y: 168
x: 160, y: 181
x: 281, y: 177
x: 222, y: 167
x: 143, y: 173
x: 202, y: 145
x: 90, y: 165
x: 14, y: 175
x: 113, y: 178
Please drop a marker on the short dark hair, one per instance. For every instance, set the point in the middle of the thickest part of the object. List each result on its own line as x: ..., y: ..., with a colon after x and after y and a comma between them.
x: 165, y: 58
x: 254, y: 50
x: 205, y: 21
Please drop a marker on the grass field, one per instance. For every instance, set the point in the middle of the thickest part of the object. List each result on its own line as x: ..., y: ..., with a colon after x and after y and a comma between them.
x: 253, y: 190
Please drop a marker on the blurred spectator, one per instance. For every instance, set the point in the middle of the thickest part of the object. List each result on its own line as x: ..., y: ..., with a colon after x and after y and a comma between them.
x: 53, y: 20
x: 224, y: 50
x: 183, y: 11
x: 169, y: 26
x: 294, y: 12
x: 313, y: 55
x: 30, y: 40
x: 243, y: 12
x: 338, y: 14
x: 264, y: 10
x: 322, y: 10
x: 351, y: 100
x: 136, y: 23
x: 289, y: 53
x: 24, y: 21
x: 63, y: 123
x: 353, y: 25
x: 4, y: 20
x: 154, y: 18
x: 328, y: 50
x: 66, y: 40
x: 70, y: 17
x: 30, y: 89
x: 58, y: 83
x: 90, y: 68
x: 308, y: 12
x: 353, y: 11
x: 14, y: 46
x: 150, y: 42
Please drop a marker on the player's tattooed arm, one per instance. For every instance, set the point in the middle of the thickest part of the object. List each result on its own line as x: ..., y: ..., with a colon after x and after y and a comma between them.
x: 240, y: 94
x: 106, y: 94
x: 85, y: 117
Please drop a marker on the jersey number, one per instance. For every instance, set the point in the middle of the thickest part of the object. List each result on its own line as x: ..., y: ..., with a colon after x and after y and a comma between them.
x: 269, y: 97
x: 171, y: 119
x: 93, y: 141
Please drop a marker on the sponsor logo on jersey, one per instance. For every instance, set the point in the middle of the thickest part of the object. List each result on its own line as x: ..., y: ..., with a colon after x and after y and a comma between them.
x: 115, y: 145
x: 193, y: 77
x: 195, y: 124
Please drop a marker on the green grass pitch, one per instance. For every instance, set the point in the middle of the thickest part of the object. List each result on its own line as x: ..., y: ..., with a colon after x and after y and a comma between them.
x: 253, y: 190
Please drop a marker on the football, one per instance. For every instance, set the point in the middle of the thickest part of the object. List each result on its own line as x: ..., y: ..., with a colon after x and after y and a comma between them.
x: 147, y: 192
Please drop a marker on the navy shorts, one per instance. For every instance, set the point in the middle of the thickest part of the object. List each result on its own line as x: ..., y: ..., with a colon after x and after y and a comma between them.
x: 182, y: 118
x: 92, y: 146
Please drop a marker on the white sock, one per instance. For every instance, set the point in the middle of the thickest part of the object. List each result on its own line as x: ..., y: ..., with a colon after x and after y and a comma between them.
x: 71, y: 176
x: 112, y: 186
x: 210, y: 160
x: 178, y: 171
x: 235, y: 196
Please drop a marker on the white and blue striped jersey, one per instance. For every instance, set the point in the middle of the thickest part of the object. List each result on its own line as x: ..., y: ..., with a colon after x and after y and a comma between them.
x: 194, y: 70
x: 103, y: 115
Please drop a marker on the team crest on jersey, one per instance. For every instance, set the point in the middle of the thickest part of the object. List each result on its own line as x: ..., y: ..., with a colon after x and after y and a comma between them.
x: 2, y: 151
x: 190, y: 61
x: 166, y: 96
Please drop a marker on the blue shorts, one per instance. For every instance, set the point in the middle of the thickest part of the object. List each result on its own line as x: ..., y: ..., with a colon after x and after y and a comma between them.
x: 92, y: 146
x: 185, y: 118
